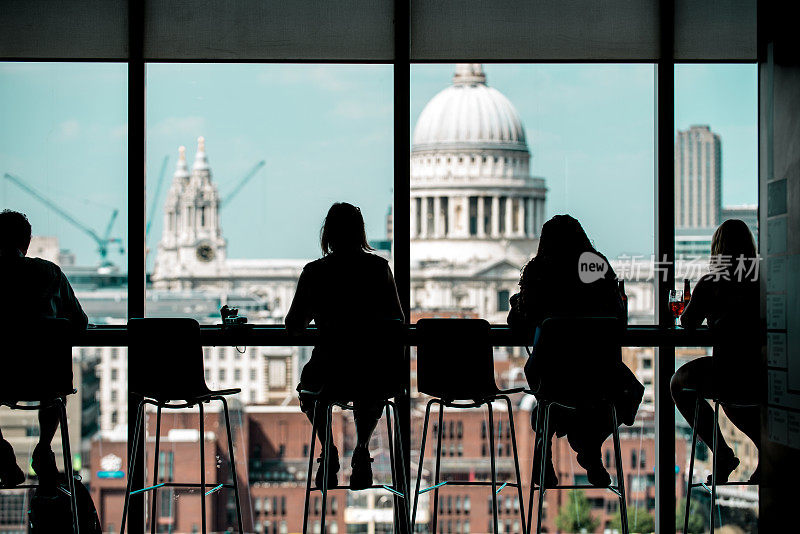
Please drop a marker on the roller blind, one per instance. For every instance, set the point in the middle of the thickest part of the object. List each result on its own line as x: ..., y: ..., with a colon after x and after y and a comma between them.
x: 40, y: 29
x: 578, y: 30
x: 363, y: 30
x: 346, y: 30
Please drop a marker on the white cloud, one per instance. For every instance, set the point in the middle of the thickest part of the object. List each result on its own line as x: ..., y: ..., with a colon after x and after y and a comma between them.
x: 67, y: 130
x: 354, y: 109
x: 120, y: 131
x: 321, y: 76
x: 191, y: 125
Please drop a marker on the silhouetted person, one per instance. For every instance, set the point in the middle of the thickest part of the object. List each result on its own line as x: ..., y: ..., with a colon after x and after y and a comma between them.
x: 32, y: 288
x: 550, y: 286
x: 728, y: 298
x: 346, y: 287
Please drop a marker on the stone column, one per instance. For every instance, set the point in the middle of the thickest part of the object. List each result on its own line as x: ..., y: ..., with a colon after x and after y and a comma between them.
x: 437, y: 217
x: 451, y: 216
x: 423, y: 221
x: 413, y: 212
x: 495, y: 232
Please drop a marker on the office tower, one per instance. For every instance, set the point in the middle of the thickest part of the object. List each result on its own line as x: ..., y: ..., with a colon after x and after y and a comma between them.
x: 698, y: 178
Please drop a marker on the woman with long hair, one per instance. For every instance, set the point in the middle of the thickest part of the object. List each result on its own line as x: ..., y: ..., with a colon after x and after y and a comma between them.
x: 550, y: 286
x: 728, y: 299
x: 347, y: 286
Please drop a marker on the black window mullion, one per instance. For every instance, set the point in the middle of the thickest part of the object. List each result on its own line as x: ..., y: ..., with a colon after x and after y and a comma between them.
x: 136, y: 232
x: 665, y: 274
x: 401, y: 222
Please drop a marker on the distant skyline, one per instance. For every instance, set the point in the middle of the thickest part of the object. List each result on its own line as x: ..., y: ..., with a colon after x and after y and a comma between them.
x: 325, y: 132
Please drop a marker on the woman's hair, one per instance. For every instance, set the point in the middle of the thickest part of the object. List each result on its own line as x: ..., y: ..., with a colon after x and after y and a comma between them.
x: 732, y: 244
x: 343, y: 230
x: 560, y: 245
x: 563, y: 237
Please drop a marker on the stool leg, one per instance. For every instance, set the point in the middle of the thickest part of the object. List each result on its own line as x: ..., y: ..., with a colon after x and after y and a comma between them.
x: 714, y: 465
x: 493, y: 467
x: 436, y: 476
x: 155, y: 471
x: 131, y: 466
x: 421, y: 462
x: 690, y: 474
x: 516, y: 462
x: 537, y: 430
x: 202, y: 469
x: 392, y: 465
x: 326, y: 455
x: 62, y: 414
x: 233, y: 464
x: 623, y: 505
x: 542, y: 463
x: 310, y: 466
x: 403, y: 478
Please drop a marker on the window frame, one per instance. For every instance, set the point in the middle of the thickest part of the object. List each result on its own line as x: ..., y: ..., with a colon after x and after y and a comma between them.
x: 664, y: 208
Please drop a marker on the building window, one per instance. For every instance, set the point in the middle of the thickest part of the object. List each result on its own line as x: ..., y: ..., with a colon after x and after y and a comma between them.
x: 502, y: 300
x: 277, y: 373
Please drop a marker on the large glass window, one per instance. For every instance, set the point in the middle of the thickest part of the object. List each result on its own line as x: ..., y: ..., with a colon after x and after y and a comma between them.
x: 243, y: 163
x: 64, y: 164
x: 716, y: 179
x: 496, y: 150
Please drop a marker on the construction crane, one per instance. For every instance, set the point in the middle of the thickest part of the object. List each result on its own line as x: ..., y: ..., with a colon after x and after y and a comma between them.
x: 151, y: 214
x: 102, y: 242
x: 247, y: 177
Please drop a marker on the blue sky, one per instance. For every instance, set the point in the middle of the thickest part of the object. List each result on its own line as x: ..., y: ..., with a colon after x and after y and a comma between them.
x: 325, y: 132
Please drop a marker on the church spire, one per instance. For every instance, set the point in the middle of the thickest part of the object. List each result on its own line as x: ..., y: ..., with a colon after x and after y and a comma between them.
x: 469, y: 74
x: 200, y: 162
x: 181, y: 172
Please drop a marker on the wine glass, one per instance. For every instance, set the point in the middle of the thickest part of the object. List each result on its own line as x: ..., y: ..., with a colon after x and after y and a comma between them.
x: 676, y: 303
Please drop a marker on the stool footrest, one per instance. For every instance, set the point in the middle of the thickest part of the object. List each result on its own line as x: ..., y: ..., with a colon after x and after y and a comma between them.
x: 389, y: 488
x: 613, y: 489
x: 347, y: 487
x: 729, y: 483
x: 215, y: 488
x: 426, y: 490
x: 501, y: 488
x: 183, y: 485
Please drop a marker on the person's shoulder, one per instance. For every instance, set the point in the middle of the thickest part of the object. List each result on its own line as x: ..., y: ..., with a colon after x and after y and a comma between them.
x: 314, y: 266
x: 375, y: 259
x: 706, y: 281
x: 43, y: 266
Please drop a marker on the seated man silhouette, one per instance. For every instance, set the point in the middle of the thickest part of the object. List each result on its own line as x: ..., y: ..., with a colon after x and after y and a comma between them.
x: 347, y: 286
x: 32, y: 288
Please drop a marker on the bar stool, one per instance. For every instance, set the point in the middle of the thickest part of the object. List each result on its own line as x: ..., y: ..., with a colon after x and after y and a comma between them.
x: 713, y: 490
x: 455, y: 366
x: 350, y: 381
x: 23, y: 381
x: 585, y: 350
x: 164, y: 349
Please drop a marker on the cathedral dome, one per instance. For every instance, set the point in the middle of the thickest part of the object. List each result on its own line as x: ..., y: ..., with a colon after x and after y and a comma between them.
x: 469, y: 114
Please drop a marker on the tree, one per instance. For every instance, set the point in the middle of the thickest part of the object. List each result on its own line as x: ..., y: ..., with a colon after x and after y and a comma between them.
x: 640, y: 521
x: 697, y: 518
x: 576, y: 514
